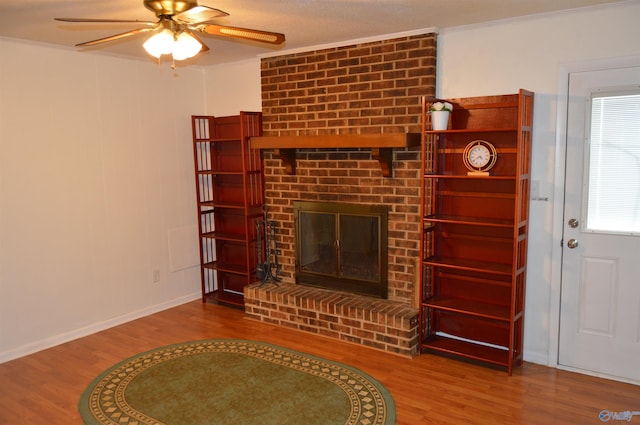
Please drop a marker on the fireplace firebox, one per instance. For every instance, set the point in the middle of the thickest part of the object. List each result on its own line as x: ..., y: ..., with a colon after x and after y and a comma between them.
x: 342, y: 246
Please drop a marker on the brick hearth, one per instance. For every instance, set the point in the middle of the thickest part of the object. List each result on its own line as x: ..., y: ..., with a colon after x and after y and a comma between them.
x: 381, y: 324
x: 368, y: 88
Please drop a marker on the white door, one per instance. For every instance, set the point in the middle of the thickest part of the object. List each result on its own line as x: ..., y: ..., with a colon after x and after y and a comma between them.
x: 600, y: 296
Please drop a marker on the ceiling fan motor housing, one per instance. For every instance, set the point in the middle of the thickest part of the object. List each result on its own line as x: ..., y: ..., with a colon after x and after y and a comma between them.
x: 169, y: 7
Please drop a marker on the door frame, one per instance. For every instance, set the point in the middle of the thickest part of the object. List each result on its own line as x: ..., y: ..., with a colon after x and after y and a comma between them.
x: 558, y: 195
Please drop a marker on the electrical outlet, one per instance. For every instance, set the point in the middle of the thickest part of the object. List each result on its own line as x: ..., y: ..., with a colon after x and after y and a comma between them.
x: 156, y: 276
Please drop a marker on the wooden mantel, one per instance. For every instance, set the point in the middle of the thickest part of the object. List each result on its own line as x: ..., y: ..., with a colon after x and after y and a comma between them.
x: 381, y: 145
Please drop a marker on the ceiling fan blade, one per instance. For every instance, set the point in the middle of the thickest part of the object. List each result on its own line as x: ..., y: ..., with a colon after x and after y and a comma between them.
x: 205, y: 48
x: 246, y: 33
x: 116, y: 21
x: 116, y: 36
x: 199, y: 15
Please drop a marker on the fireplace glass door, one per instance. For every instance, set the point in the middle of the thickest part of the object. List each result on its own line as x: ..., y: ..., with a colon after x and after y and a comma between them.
x: 342, y: 246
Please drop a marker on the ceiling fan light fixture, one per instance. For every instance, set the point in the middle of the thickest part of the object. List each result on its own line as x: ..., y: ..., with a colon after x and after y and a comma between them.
x: 185, y: 46
x: 160, y: 44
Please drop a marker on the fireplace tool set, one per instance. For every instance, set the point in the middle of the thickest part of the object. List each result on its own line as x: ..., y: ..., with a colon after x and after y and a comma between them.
x: 267, y: 270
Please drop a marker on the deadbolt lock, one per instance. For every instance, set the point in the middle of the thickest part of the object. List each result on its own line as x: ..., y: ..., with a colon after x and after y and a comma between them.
x: 573, y: 223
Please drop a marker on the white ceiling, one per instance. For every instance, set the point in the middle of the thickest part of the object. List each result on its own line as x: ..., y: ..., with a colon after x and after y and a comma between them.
x: 305, y: 23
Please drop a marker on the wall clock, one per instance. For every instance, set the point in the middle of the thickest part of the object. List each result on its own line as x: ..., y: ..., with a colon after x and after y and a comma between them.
x: 479, y: 157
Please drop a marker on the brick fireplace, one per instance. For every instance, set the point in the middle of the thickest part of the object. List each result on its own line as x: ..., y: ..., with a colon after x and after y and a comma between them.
x: 350, y: 92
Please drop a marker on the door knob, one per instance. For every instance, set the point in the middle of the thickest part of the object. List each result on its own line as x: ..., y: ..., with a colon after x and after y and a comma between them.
x: 572, y: 243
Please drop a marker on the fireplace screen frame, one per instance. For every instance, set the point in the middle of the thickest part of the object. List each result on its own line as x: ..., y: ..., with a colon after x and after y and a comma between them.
x: 376, y: 287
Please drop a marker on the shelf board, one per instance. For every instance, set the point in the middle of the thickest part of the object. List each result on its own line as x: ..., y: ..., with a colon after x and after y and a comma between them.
x: 472, y: 130
x: 469, y: 307
x: 224, y: 298
x: 469, y: 265
x: 467, y: 349
x: 465, y: 177
x: 217, y: 172
x: 500, y: 195
x: 222, y: 204
x: 253, y: 210
x: 220, y: 140
x: 381, y: 145
x: 225, y: 236
x: 231, y: 268
x: 474, y: 221
x: 483, y: 280
x: 337, y: 141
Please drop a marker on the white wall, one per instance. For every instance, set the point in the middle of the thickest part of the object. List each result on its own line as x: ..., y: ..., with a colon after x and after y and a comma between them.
x: 500, y: 58
x: 96, y: 192
x: 233, y: 87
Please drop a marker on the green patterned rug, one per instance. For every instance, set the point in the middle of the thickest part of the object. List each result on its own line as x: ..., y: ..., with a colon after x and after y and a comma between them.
x: 228, y: 381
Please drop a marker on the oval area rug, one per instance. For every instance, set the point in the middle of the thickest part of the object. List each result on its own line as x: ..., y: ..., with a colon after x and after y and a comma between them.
x: 228, y: 381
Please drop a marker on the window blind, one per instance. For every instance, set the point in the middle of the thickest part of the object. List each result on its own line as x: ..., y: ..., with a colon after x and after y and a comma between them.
x: 614, y: 164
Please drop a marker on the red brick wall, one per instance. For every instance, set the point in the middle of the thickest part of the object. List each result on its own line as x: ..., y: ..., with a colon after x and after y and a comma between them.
x: 365, y: 88
x: 353, y: 177
x: 360, y: 89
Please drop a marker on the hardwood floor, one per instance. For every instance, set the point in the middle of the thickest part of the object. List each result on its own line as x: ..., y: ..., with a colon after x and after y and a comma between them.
x: 44, y: 388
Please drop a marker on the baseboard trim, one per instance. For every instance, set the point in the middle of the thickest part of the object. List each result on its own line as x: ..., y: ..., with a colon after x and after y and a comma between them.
x: 43, y: 344
x: 536, y: 357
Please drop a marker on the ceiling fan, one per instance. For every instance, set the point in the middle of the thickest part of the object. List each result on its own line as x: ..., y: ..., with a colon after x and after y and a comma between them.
x: 177, y: 22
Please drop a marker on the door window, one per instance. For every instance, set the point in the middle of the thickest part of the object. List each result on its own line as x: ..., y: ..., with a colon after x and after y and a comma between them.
x: 613, y: 191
